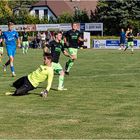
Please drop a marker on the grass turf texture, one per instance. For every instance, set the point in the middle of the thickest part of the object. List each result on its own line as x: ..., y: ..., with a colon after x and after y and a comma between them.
x: 102, y: 100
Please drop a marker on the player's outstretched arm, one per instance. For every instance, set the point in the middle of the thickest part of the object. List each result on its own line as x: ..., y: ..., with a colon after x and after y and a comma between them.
x: 18, y: 43
x: 68, y: 55
x: 82, y: 40
x: 50, y: 79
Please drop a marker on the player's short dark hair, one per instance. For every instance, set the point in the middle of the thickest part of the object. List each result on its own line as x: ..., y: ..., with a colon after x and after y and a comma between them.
x: 130, y: 27
x: 10, y: 23
x: 58, y: 32
x: 73, y: 23
x: 48, y: 55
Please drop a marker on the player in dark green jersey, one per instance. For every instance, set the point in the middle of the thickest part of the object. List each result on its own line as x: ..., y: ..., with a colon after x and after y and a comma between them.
x: 56, y: 47
x: 130, y: 40
x: 72, y: 38
x: 25, y: 42
x: 1, y: 45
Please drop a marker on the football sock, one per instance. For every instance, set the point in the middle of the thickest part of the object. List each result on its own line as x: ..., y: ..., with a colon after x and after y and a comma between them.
x: 126, y: 48
x: 7, y: 63
x: 26, y: 50
x: 61, y: 81
x: 69, y: 65
x: 12, y: 67
x: 23, y: 50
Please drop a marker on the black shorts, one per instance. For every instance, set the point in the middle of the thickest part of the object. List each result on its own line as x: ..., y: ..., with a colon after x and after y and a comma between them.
x: 23, y: 86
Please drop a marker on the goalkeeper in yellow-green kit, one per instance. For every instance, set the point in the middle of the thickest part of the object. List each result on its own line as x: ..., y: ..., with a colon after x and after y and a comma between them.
x: 27, y: 83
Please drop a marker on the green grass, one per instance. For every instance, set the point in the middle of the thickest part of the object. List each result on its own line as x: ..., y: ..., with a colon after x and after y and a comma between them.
x: 103, y: 100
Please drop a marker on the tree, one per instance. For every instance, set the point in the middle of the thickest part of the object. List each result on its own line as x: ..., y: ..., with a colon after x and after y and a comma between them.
x: 116, y: 14
x: 84, y: 16
x: 65, y: 18
x: 80, y: 15
x: 21, y: 3
x: 5, y: 11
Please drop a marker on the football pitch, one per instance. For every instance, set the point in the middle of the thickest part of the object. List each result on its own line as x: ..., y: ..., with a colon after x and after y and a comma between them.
x: 102, y: 101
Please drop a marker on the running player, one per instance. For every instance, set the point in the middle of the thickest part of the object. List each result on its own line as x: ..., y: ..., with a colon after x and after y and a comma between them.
x: 130, y: 40
x: 122, y: 39
x: 72, y: 38
x: 128, y: 30
x: 27, y: 83
x: 10, y: 38
x: 1, y: 46
x: 25, y: 43
x: 56, y: 47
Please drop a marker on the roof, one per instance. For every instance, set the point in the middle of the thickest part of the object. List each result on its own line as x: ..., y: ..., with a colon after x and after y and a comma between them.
x: 58, y: 7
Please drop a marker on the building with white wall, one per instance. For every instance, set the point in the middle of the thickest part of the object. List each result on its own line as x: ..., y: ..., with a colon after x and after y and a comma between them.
x: 53, y: 9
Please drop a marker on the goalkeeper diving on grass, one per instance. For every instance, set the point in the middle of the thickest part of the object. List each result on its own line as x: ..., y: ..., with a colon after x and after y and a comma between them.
x: 27, y: 83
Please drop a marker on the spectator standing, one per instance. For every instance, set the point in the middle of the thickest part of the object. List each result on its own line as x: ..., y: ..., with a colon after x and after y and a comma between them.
x: 43, y: 40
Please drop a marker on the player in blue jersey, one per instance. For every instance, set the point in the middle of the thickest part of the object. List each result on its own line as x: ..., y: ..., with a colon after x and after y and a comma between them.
x: 122, y: 39
x: 10, y: 38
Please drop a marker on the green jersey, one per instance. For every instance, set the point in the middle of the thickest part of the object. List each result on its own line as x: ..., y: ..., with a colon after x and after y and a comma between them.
x: 130, y: 37
x: 1, y: 37
x: 25, y: 36
x: 56, y: 48
x: 73, y: 38
x: 40, y: 75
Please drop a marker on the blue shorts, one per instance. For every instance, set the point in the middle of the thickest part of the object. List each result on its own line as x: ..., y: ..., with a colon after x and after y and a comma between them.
x: 122, y: 41
x: 11, y: 51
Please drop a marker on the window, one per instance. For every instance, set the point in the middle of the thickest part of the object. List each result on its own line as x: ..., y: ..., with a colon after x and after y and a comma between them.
x: 46, y: 14
x: 37, y: 13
